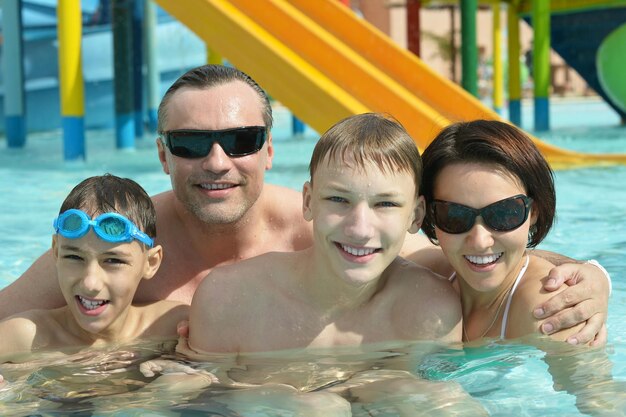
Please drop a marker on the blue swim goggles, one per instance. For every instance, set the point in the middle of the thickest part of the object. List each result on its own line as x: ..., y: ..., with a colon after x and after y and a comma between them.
x: 110, y: 227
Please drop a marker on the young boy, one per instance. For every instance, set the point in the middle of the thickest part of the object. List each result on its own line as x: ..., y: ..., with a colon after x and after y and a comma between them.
x: 103, y: 246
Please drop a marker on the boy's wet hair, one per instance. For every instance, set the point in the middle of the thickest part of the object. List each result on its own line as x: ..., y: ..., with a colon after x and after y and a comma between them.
x: 507, y: 149
x: 207, y: 76
x: 369, y: 138
x: 109, y: 193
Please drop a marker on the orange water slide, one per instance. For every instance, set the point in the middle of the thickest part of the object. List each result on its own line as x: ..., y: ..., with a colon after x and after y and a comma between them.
x: 324, y: 63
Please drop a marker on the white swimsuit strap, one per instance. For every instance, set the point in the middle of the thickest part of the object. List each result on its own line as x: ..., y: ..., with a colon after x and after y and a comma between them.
x: 505, y: 317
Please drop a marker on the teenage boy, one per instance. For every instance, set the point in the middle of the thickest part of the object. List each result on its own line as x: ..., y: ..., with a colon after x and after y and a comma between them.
x: 350, y: 287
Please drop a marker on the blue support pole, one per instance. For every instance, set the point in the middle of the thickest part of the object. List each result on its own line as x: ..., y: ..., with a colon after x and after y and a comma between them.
x: 123, y: 74
x: 137, y: 54
x: 154, y: 96
x: 297, y: 127
x: 13, y: 74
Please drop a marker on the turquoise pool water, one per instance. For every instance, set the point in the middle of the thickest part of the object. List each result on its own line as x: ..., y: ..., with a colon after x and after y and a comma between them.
x: 508, y: 379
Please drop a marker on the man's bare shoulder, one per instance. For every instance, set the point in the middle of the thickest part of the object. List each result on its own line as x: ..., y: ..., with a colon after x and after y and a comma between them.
x: 280, y: 190
x: 37, y: 288
x: 283, y: 211
x: 161, y: 317
x: 162, y: 198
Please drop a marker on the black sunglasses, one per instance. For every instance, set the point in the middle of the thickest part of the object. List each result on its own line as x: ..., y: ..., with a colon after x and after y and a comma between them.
x: 240, y: 141
x: 502, y: 216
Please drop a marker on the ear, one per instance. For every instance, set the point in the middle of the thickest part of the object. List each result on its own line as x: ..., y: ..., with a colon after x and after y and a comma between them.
x: 55, y: 247
x: 418, y: 215
x: 534, y: 214
x: 270, y: 151
x: 307, y: 212
x: 162, y: 155
x: 153, y: 261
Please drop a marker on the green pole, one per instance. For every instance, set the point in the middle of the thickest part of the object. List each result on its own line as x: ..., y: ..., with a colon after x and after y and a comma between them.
x: 498, y: 94
x: 213, y: 57
x: 469, y: 49
x: 515, y: 91
x: 541, y: 62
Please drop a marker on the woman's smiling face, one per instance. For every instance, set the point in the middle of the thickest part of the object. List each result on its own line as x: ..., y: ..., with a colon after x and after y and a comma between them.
x: 483, y: 257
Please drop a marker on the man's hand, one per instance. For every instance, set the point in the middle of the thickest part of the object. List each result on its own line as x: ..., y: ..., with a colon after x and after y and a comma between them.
x: 183, y: 348
x: 105, y: 362
x: 164, y: 366
x: 176, y: 377
x: 182, y: 328
x: 586, y: 299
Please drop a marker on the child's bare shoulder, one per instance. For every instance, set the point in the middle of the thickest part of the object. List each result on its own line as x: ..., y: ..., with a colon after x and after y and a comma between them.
x: 410, y: 274
x: 256, y: 272
x: 420, y: 288
x: 26, y: 331
x: 427, y: 302
x: 162, y: 317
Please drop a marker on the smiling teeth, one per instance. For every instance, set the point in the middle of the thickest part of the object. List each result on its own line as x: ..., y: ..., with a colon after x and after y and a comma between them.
x: 483, y: 260
x: 215, y: 186
x: 358, y: 251
x: 91, y: 304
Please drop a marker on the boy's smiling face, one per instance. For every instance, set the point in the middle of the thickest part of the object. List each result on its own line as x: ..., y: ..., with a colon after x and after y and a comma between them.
x: 98, y: 280
x: 360, y: 217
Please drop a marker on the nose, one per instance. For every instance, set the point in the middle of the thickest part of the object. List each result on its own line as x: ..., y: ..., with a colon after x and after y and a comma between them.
x: 479, y: 236
x: 216, y: 161
x: 93, y: 280
x: 360, y: 223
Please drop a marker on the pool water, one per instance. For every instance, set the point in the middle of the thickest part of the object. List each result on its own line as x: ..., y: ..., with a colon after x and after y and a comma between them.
x: 507, y: 378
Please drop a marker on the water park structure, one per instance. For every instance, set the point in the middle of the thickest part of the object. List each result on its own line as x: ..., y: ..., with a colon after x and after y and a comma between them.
x: 324, y: 63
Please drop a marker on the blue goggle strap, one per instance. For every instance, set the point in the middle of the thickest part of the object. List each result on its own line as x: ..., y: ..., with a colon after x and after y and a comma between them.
x: 131, y: 231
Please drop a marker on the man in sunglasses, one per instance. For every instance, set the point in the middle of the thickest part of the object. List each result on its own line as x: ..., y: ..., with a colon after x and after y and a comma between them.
x: 215, y: 143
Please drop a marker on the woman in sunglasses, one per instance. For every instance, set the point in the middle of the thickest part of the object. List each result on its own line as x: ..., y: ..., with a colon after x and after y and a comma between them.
x: 490, y: 196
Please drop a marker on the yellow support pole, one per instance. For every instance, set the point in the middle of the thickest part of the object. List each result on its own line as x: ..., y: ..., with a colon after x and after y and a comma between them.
x: 70, y: 56
x: 498, y: 71
x: 71, y: 85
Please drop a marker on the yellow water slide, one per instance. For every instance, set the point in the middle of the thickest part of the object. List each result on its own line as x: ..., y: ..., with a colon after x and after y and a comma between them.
x: 324, y: 63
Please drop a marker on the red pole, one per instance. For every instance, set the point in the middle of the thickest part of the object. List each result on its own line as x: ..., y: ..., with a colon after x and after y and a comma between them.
x: 413, y: 25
